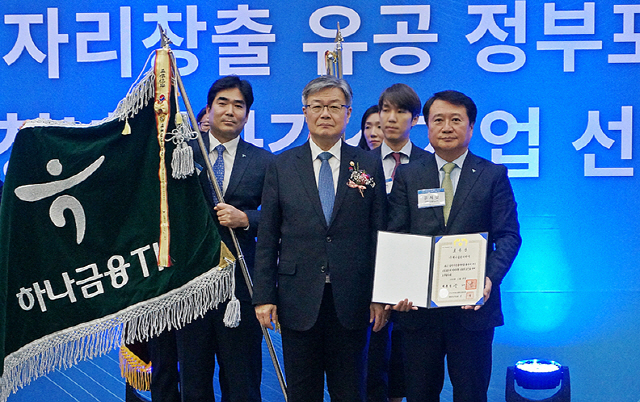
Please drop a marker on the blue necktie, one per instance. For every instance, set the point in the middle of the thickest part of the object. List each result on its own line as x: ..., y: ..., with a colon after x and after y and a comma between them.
x: 218, y: 170
x: 325, y: 186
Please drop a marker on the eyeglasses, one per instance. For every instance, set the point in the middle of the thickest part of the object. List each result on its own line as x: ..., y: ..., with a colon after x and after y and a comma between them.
x: 334, y: 108
x: 204, y: 125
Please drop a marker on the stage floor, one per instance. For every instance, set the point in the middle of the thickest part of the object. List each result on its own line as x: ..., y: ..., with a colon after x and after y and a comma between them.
x: 99, y: 380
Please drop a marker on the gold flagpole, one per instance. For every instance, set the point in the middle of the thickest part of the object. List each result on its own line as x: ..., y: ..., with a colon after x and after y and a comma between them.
x: 241, y: 259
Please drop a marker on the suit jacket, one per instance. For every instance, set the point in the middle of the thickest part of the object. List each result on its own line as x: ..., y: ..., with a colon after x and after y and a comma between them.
x: 243, y: 192
x: 483, y: 202
x: 296, y: 247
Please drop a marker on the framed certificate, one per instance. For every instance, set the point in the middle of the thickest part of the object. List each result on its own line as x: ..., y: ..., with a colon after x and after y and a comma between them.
x: 432, y: 272
x: 458, y: 270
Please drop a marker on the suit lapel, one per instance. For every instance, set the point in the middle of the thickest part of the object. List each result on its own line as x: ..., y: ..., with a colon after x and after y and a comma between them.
x: 414, y: 153
x: 240, y: 163
x: 471, y: 170
x: 431, y: 178
x: 346, y: 156
x: 199, y: 159
x: 304, y: 168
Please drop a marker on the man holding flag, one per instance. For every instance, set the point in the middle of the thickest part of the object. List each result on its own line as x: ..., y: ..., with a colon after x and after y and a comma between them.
x: 239, y: 168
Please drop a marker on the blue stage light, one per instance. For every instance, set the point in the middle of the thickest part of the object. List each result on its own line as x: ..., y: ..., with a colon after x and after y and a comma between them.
x: 538, y: 374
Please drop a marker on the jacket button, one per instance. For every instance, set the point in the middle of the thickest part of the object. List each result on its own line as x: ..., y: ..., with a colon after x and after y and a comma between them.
x: 323, y: 269
x: 328, y: 239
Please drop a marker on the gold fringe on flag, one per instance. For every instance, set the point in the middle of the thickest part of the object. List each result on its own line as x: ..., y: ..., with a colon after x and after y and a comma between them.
x: 135, y: 370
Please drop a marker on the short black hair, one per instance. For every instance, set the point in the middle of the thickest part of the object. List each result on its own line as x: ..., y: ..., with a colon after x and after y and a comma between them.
x: 228, y: 82
x: 455, y: 98
x: 201, y: 114
x: 373, y: 109
x: 401, y: 96
x: 363, y: 139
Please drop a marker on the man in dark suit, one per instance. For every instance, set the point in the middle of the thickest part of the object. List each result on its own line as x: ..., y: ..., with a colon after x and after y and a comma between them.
x: 482, y: 201
x: 243, y: 166
x: 399, y: 112
x: 399, y: 107
x: 316, y: 245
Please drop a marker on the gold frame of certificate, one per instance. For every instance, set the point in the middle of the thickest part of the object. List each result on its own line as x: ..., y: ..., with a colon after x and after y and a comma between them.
x: 430, y: 271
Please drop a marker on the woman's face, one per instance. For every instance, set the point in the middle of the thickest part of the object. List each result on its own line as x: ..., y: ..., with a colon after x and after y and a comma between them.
x: 203, y: 124
x: 372, y: 131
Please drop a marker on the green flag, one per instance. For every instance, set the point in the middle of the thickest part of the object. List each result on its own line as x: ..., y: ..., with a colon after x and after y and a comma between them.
x: 79, y: 234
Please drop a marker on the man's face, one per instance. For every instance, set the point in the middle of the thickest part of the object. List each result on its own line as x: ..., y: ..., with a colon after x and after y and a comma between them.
x: 449, y: 129
x: 227, y: 114
x: 329, y: 121
x: 396, y: 123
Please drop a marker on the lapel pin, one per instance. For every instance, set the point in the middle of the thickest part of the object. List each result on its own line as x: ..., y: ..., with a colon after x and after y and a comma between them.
x: 473, y: 170
x: 244, y: 156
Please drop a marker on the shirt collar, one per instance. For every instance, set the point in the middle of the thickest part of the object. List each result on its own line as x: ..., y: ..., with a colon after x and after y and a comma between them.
x: 315, y: 149
x: 385, y: 150
x: 231, y: 146
x: 458, y: 161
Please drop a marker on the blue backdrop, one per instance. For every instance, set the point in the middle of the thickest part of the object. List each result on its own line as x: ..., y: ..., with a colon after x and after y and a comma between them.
x: 556, y: 86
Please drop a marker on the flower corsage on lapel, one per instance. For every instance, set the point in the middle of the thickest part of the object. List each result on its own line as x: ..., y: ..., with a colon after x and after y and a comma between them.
x: 359, y: 178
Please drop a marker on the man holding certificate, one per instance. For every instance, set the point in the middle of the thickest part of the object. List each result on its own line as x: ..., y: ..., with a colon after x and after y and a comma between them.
x: 448, y: 193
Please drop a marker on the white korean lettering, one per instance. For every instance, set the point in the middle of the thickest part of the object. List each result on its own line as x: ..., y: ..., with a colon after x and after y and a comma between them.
x: 628, y: 34
x: 118, y: 271
x: 24, y: 40
x: 55, y: 39
x: 91, y: 286
x: 532, y: 158
x: 103, y: 34
x: 297, y: 123
x: 348, y: 48
x: 162, y: 17
x: 251, y: 58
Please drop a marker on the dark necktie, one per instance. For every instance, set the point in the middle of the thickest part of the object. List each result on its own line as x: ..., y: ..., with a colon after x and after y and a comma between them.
x: 396, y: 156
x: 325, y: 186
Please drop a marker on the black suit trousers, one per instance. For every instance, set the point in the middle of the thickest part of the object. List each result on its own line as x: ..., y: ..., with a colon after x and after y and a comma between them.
x: 329, y: 348
x: 238, y: 351
x: 164, y: 377
x: 469, y: 360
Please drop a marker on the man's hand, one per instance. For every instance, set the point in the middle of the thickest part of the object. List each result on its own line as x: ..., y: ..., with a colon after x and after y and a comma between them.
x: 403, y: 305
x: 486, y: 293
x: 267, y: 314
x: 231, y: 217
x: 379, y: 315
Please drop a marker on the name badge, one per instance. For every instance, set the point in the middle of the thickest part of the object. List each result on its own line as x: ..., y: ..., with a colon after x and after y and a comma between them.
x: 432, y: 197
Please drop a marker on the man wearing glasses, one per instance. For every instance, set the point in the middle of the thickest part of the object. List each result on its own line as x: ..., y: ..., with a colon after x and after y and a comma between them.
x: 322, y: 206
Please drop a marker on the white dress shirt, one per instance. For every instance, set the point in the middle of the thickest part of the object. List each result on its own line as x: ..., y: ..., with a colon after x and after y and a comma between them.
x: 389, y: 163
x: 455, y: 173
x: 334, y: 162
x: 228, y: 156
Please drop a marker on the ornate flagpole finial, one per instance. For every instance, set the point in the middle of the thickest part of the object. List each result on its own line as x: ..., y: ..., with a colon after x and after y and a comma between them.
x: 333, y: 59
x: 164, y: 39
